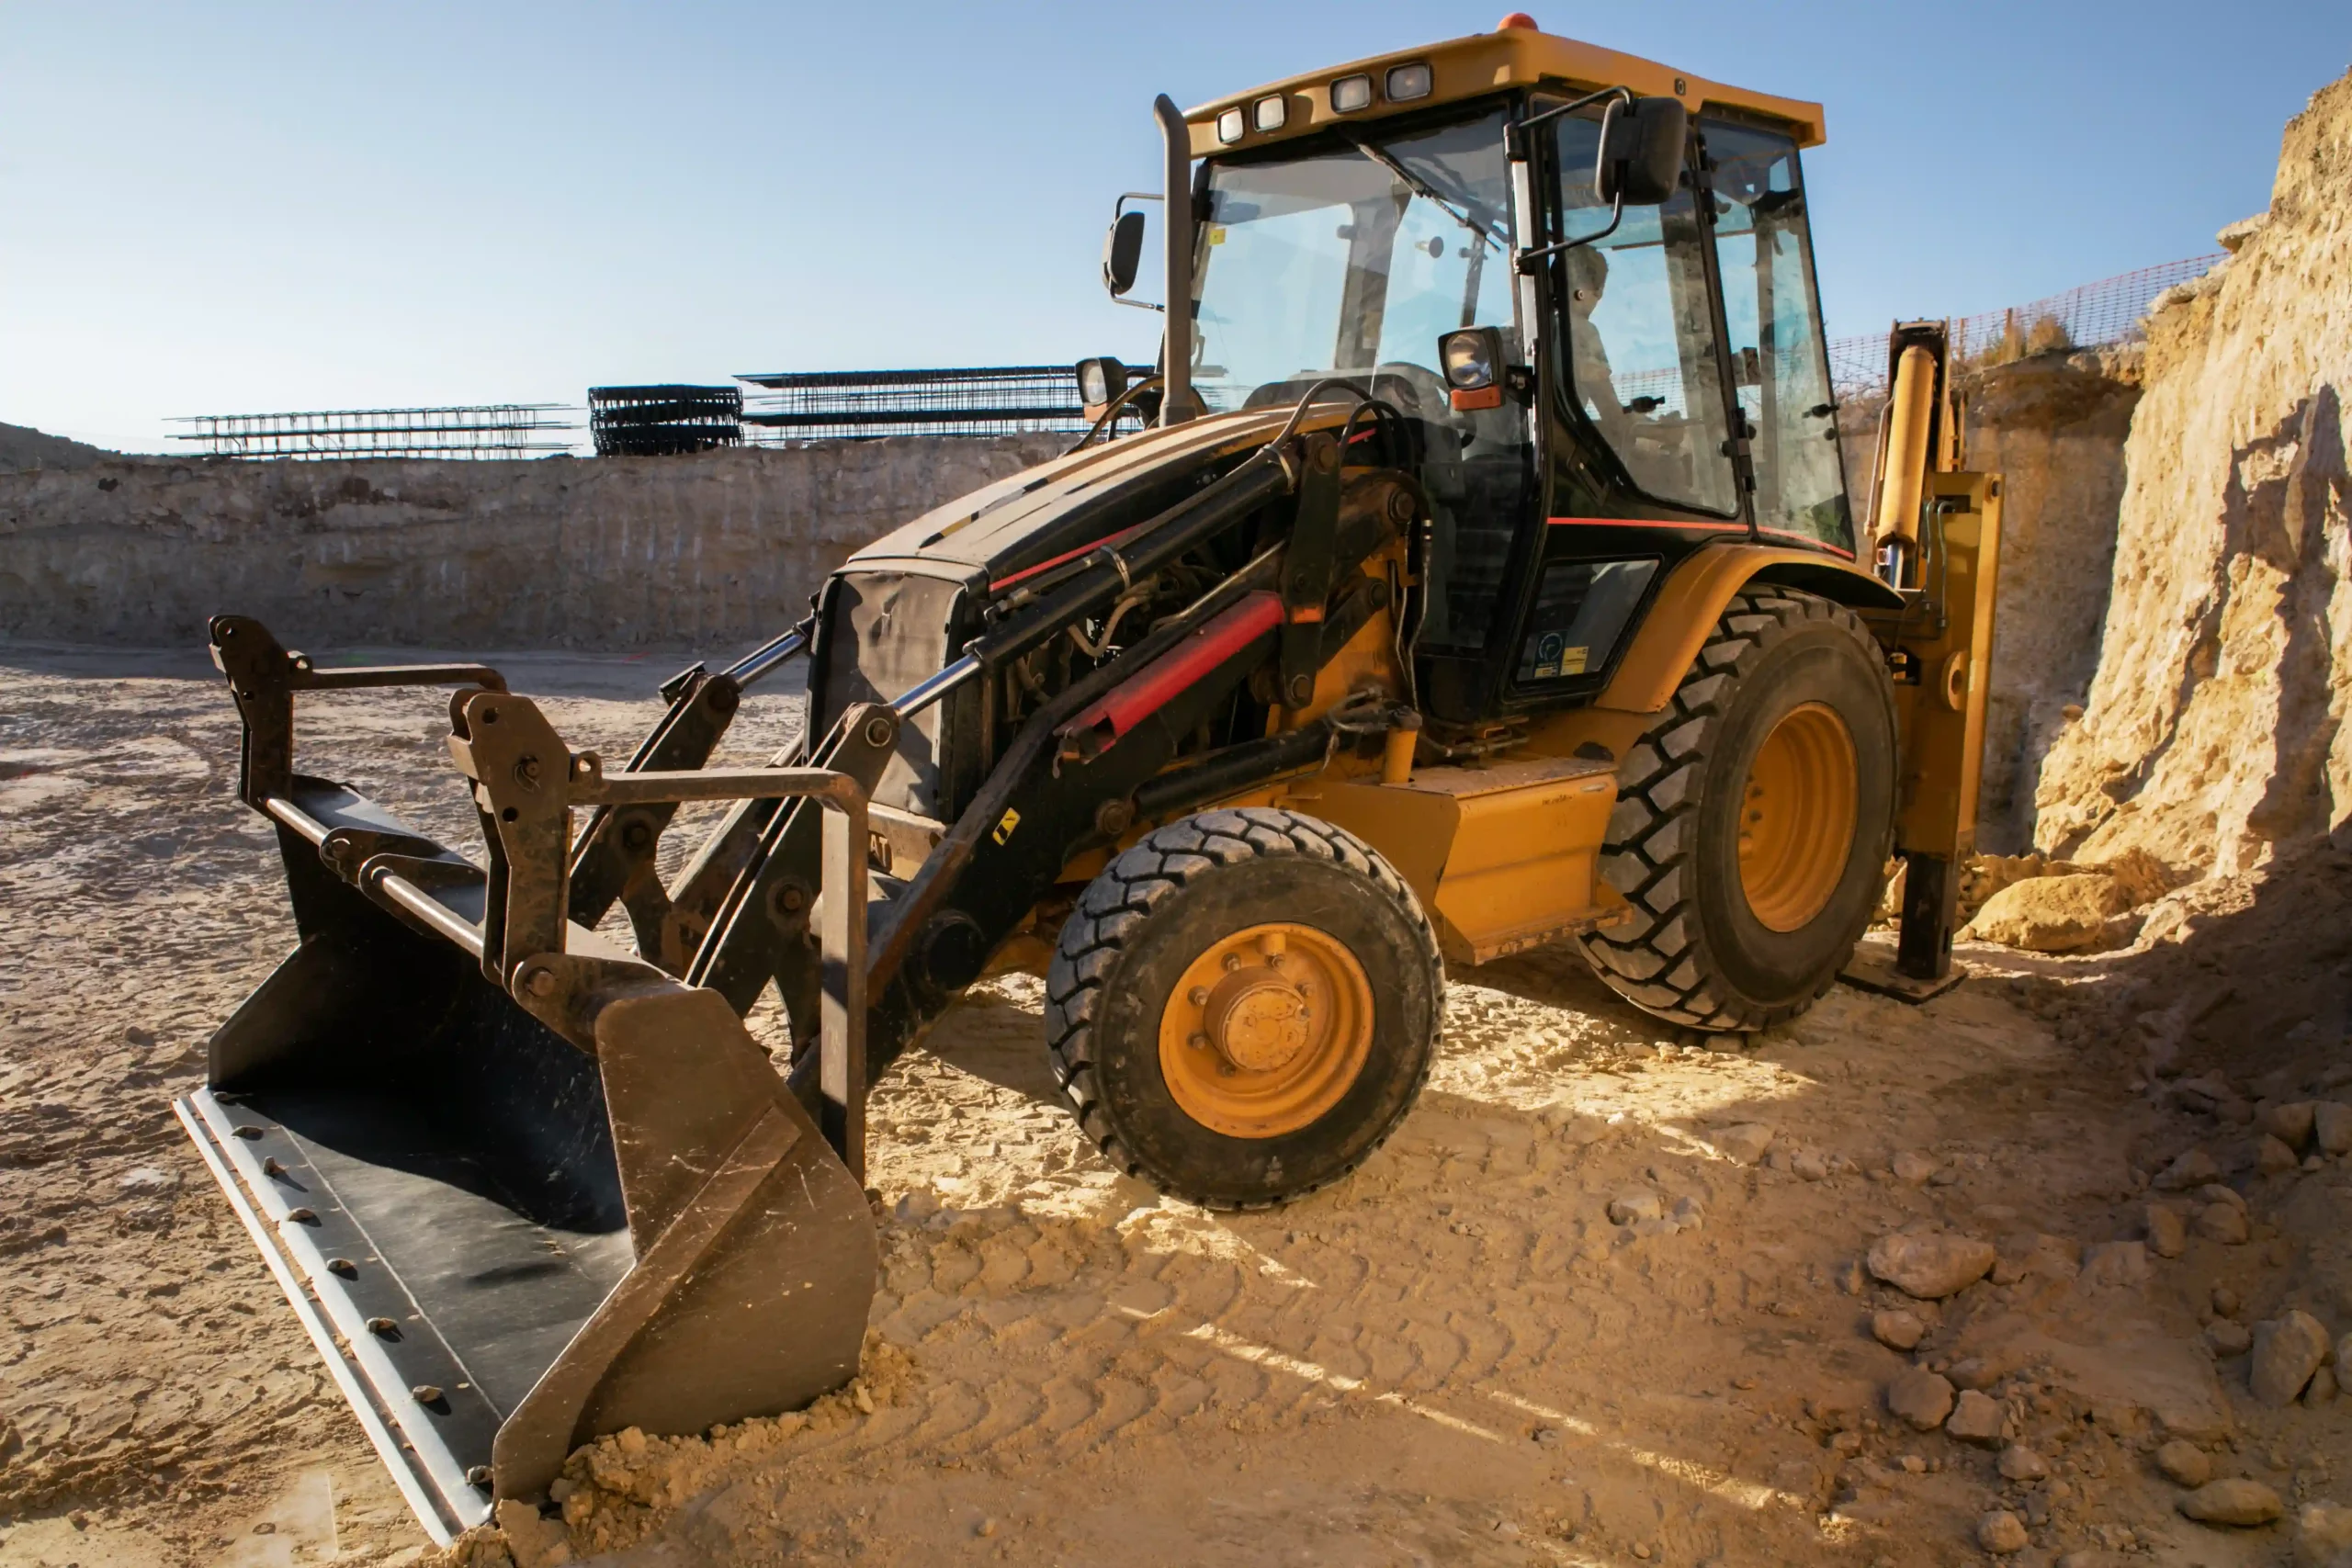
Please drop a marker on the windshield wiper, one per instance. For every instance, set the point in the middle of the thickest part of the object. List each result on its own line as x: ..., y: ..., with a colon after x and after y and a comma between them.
x: 1422, y: 189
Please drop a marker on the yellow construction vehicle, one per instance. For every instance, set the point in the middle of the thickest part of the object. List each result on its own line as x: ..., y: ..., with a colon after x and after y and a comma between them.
x: 1485, y: 578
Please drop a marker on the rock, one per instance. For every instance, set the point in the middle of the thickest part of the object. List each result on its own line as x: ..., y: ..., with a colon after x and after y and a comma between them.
x: 2141, y: 876
x: 1921, y: 1397
x: 2224, y: 1222
x: 1912, y: 1167
x: 2117, y: 1264
x: 2320, y: 1388
x: 2218, y: 1192
x: 1897, y: 1329
x: 2344, y: 1361
x: 1743, y: 1142
x: 2050, y: 914
x: 2021, y: 1463
x: 2225, y: 1300
x: 2228, y: 1339
x: 1972, y: 1371
x: 2287, y: 1351
x: 1809, y: 1166
x: 1930, y: 1265
x: 1638, y: 1204
x: 2233, y: 1501
x: 2001, y: 1531
x: 2322, y: 1536
x: 2332, y: 1125
x: 2289, y: 1123
x: 2167, y: 1232
x: 2194, y: 1167
x: 2184, y: 1463
x: 2272, y: 1157
x: 1688, y: 1215
x: 1976, y: 1418
x: 535, y: 1543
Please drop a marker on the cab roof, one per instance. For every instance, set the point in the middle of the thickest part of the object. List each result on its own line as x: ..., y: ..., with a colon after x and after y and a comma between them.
x: 1482, y: 63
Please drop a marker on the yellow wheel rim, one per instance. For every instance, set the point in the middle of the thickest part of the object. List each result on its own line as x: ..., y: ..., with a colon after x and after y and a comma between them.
x: 1266, y: 1031
x: 1797, y: 818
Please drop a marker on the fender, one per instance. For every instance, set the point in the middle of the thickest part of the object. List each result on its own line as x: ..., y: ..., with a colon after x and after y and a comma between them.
x: 1693, y: 597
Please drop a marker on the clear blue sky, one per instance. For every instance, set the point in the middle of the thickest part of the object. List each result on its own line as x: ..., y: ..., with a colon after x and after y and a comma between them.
x: 247, y: 207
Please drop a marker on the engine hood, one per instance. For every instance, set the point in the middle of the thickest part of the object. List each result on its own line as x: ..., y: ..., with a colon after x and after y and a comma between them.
x: 1042, y: 515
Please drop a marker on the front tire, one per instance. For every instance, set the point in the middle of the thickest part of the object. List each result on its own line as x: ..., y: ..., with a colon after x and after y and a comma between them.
x: 1243, y: 1006
x: 1753, y: 819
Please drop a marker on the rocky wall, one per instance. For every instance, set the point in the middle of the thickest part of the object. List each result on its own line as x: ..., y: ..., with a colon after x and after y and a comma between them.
x: 603, y: 553
x: 2213, y: 734
x: 2054, y: 427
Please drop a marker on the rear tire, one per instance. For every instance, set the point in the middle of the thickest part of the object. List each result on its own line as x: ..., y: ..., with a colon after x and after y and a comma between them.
x: 1243, y: 1006
x: 1753, y: 819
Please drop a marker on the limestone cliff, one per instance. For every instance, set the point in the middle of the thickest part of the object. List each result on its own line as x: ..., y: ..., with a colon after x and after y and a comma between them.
x: 2214, y: 729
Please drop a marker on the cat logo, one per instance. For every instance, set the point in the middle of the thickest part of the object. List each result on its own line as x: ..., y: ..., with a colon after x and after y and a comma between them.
x: 1005, y: 825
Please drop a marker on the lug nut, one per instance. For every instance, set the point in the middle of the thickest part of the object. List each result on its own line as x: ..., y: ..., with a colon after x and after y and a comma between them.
x: 1232, y: 961
x: 1198, y: 1042
x: 1198, y: 996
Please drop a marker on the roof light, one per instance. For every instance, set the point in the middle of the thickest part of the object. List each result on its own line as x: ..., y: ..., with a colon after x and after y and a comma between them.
x: 1228, y: 127
x: 1517, y: 21
x: 1349, y: 93
x: 1406, y: 83
x: 1270, y: 113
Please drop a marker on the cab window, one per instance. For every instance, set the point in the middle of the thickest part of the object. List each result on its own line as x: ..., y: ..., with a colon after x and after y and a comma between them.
x: 1773, y: 317
x: 1642, y: 364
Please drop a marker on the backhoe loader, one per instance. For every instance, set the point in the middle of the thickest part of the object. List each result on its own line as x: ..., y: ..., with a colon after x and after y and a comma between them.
x: 1485, y: 578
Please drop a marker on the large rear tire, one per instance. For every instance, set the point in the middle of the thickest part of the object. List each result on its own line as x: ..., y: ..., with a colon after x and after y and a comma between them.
x: 1243, y: 1006
x: 1753, y: 819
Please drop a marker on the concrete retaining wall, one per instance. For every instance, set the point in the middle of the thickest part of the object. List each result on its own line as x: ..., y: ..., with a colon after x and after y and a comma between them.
x: 704, y: 550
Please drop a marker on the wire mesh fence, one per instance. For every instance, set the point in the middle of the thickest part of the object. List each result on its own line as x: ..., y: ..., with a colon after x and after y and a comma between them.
x: 2091, y: 316
x: 998, y: 399
x: 488, y: 430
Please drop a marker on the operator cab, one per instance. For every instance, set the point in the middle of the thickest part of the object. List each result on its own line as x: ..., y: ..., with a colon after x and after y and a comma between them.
x: 1663, y: 379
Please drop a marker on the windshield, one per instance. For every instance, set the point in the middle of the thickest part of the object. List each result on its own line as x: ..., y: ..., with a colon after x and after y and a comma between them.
x: 1353, y: 260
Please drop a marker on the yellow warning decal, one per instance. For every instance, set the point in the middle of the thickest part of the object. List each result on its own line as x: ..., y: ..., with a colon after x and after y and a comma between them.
x: 1005, y: 825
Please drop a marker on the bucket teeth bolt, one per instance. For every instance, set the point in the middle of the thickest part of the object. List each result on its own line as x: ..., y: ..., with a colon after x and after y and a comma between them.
x: 426, y: 1394
x: 478, y: 1475
x: 383, y: 1328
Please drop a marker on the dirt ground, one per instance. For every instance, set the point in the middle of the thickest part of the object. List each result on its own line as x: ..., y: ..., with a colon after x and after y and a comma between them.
x: 1460, y: 1356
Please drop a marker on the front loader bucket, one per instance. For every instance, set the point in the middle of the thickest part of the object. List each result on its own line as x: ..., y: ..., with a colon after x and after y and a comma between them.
x: 507, y: 1233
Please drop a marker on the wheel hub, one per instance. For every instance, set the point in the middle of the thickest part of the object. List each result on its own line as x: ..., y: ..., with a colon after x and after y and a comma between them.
x: 1266, y: 1029
x: 1796, y: 817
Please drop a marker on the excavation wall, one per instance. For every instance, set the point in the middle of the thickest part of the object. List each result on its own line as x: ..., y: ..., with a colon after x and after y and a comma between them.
x: 2054, y: 427
x: 553, y: 553
x: 2214, y: 730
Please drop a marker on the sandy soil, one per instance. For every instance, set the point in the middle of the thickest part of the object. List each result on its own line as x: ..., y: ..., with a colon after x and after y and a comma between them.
x: 1457, y: 1356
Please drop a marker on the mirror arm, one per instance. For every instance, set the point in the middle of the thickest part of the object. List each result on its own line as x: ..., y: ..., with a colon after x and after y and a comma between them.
x: 1527, y: 259
x: 1521, y: 128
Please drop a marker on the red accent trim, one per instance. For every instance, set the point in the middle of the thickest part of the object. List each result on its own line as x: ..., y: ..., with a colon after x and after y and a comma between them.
x: 996, y: 584
x: 1136, y: 699
x: 1807, y: 538
x: 1645, y: 522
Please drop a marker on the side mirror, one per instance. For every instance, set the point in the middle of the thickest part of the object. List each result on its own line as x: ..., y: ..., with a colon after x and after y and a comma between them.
x: 1122, y: 252
x: 1641, y: 151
